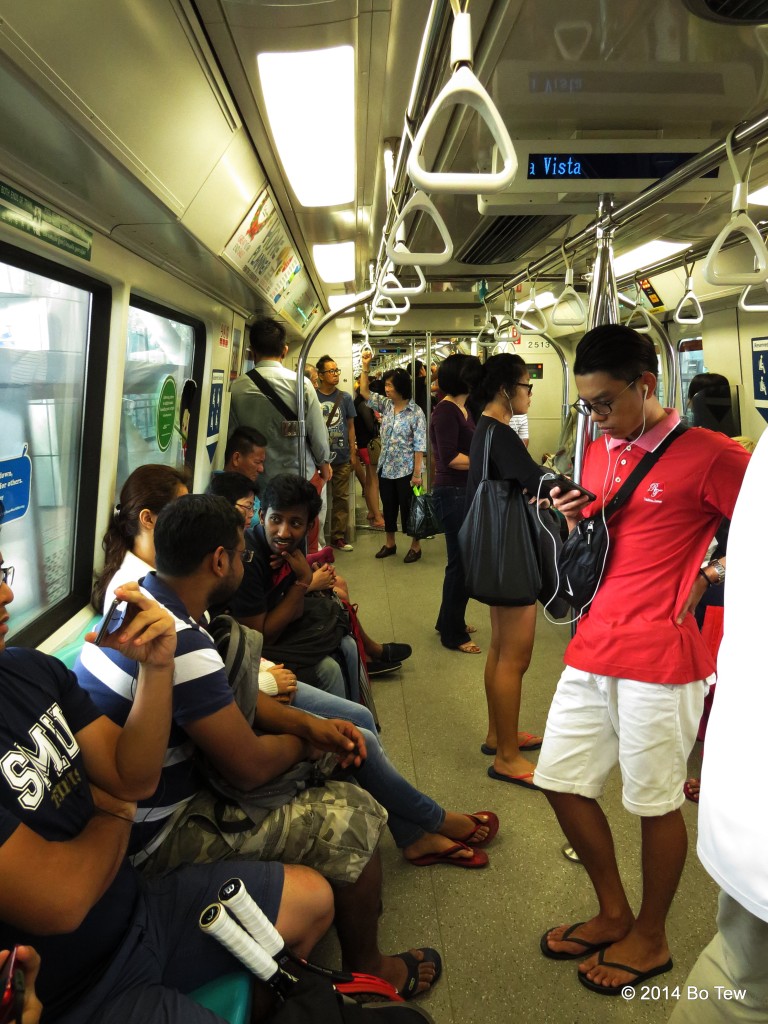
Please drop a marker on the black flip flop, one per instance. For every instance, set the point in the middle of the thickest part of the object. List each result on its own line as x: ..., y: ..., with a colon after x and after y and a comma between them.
x: 431, y: 956
x: 616, y: 990
x: 568, y: 936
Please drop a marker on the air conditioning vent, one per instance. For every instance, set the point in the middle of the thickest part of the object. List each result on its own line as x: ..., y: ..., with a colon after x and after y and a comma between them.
x: 506, y: 238
x: 730, y: 12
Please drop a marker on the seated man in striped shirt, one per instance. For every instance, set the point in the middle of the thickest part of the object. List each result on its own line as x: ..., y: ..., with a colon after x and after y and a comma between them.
x: 199, y: 554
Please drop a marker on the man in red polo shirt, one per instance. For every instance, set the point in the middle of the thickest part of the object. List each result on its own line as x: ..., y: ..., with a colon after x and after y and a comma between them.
x: 637, y: 670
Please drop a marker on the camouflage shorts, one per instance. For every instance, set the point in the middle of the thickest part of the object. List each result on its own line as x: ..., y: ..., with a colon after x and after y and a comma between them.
x: 333, y: 828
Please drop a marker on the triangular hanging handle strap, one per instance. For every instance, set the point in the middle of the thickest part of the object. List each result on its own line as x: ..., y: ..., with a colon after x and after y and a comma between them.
x: 402, y: 254
x: 569, y: 310
x: 391, y: 285
x: 537, y: 321
x: 753, y: 307
x: 385, y: 305
x: 463, y: 88
x: 644, y: 325
x: 740, y: 223
x: 693, y: 314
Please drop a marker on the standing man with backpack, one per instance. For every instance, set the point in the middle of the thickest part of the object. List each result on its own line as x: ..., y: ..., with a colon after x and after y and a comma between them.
x: 265, y: 398
x: 637, y: 670
x: 339, y: 413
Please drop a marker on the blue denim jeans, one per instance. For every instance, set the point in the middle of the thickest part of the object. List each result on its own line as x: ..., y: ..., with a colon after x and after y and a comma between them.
x: 411, y: 812
x: 338, y: 674
x: 449, y: 504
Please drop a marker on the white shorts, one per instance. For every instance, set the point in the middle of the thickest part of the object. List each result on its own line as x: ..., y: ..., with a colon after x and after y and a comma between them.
x: 648, y: 728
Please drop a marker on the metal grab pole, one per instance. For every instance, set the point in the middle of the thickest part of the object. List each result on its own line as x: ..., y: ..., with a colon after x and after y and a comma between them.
x: 301, y: 409
x: 603, y: 309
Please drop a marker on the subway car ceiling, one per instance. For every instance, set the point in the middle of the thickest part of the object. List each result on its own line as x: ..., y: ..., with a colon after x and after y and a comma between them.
x: 164, y: 126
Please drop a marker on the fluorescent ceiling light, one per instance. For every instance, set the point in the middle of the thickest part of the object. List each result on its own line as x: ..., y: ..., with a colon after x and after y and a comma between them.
x: 321, y: 173
x: 337, y: 301
x: 543, y: 301
x: 759, y: 197
x: 645, y: 255
x: 335, y: 263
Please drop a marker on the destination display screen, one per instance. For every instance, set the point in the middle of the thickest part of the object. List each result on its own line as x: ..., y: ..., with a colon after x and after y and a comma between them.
x: 593, y: 166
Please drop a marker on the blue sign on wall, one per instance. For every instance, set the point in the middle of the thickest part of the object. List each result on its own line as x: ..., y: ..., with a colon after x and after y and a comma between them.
x: 215, y: 403
x: 760, y: 375
x: 15, y: 483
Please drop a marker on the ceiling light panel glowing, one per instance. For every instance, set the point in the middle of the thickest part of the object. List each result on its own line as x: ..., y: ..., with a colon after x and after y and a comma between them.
x: 338, y: 301
x: 645, y: 255
x: 760, y: 196
x: 335, y: 263
x: 321, y: 171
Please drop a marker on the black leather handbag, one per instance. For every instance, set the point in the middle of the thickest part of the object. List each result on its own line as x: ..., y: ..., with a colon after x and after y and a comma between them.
x: 585, y: 553
x: 501, y: 565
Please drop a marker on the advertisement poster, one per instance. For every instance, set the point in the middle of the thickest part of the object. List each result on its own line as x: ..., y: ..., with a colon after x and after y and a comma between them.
x: 262, y: 251
x: 760, y: 375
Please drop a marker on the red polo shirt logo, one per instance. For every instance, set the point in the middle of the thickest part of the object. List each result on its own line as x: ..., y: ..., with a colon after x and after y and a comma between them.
x: 655, y: 493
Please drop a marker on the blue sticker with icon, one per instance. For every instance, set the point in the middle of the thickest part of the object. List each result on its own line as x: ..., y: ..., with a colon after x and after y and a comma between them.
x: 15, y: 484
x: 760, y: 375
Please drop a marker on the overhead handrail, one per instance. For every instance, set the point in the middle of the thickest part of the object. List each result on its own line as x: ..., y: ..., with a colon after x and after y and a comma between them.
x: 402, y: 255
x: 537, y: 321
x: 385, y: 304
x: 636, y: 309
x: 740, y: 223
x: 562, y: 313
x: 695, y: 315
x: 391, y: 285
x: 464, y: 88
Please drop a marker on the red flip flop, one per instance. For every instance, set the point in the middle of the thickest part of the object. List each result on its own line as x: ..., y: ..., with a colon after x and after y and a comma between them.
x: 479, y: 859
x: 482, y: 819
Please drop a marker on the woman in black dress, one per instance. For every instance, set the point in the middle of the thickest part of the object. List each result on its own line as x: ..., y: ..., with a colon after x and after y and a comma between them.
x: 501, y: 387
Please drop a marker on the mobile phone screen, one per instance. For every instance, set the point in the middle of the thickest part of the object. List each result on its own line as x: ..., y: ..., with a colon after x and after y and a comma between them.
x: 565, y: 485
x: 113, y: 620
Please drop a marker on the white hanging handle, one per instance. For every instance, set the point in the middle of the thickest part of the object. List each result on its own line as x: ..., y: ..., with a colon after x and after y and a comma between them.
x: 402, y: 254
x: 572, y: 38
x: 694, y: 315
x: 385, y: 305
x: 384, y: 333
x: 569, y: 310
x: 752, y: 307
x: 391, y: 286
x: 740, y: 223
x: 365, y: 345
x: 638, y: 310
x: 537, y: 322
x: 464, y: 88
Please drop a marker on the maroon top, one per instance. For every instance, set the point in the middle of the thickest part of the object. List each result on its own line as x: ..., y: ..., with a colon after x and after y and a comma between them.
x: 451, y: 435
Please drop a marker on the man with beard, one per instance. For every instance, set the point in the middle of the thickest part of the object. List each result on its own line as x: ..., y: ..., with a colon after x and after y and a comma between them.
x: 333, y: 827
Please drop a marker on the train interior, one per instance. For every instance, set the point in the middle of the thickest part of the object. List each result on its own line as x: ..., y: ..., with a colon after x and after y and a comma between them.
x: 417, y: 178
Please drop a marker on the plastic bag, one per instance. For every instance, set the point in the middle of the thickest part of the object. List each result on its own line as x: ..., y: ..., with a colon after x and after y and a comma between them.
x: 423, y: 520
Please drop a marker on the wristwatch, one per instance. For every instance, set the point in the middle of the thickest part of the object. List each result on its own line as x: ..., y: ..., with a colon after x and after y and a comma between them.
x: 719, y: 568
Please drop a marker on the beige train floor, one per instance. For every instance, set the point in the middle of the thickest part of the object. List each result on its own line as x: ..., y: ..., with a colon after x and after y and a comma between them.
x: 487, y: 923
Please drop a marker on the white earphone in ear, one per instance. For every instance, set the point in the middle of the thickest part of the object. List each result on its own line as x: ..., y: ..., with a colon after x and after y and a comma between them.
x: 645, y: 392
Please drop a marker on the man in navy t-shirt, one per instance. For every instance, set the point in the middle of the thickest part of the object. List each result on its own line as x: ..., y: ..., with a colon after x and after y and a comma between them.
x: 69, y: 779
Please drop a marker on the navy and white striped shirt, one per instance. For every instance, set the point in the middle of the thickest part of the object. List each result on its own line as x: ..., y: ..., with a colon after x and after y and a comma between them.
x: 200, y: 688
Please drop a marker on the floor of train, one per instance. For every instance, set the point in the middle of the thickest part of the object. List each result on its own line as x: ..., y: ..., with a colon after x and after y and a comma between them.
x: 487, y: 923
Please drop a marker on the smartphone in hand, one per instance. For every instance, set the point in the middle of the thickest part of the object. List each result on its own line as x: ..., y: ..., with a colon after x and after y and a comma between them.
x: 113, y: 620
x: 566, y: 484
x: 11, y: 990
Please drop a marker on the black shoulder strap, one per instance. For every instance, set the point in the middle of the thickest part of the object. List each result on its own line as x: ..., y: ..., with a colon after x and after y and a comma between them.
x: 641, y: 470
x: 269, y: 392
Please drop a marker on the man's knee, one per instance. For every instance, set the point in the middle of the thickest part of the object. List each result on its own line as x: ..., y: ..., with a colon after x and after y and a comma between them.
x: 306, y: 908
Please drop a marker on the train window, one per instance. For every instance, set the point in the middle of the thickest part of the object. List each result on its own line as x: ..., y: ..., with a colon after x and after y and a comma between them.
x: 690, y: 356
x: 51, y: 324
x: 156, y: 424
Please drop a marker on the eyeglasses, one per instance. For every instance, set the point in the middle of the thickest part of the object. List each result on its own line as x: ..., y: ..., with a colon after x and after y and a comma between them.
x: 7, y: 573
x: 334, y: 373
x: 528, y: 386
x: 246, y: 555
x: 245, y: 506
x: 601, y: 408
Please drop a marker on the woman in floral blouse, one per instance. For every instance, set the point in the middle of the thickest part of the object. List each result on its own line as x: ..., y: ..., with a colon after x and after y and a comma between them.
x: 403, y: 443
